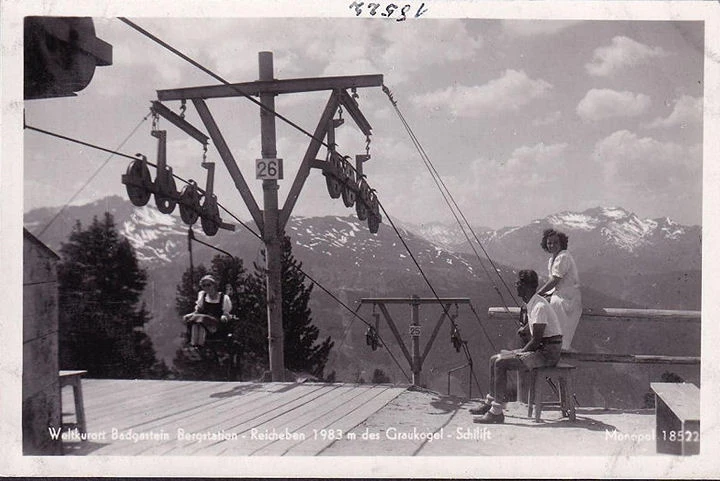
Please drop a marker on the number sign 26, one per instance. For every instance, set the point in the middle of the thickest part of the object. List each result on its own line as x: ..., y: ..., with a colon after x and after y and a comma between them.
x: 268, y: 169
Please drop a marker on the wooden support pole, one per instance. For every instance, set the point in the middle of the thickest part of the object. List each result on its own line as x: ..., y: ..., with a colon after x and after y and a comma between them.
x: 284, y: 86
x: 272, y: 237
x: 434, y: 334
x: 307, y: 162
x: 415, y: 339
x: 229, y: 161
x: 179, y: 122
x: 396, y: 333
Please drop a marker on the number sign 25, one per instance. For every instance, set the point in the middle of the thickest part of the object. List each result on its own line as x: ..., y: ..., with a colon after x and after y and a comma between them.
x: 268, y: 169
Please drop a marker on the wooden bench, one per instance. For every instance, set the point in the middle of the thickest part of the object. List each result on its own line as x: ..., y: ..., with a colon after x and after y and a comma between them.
x: 677, y: 418
x: 563, y: 372
x: 73, y: 378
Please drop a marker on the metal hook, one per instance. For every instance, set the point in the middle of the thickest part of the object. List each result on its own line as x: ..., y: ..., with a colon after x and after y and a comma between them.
x: 155, y: 120
x: 183, y: 106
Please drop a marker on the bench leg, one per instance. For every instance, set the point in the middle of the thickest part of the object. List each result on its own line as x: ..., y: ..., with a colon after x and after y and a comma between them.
x: 79, y: 407
x: 569, y: 397
x: 531, y: 391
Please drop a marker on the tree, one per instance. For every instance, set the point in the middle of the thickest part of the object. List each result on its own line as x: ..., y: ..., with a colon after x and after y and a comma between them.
x: 101, y: 323
x: 301, y: 352
x: 667, y: 376
x: 379, y: 377
x: 230, y: 352
x: 249, y: 330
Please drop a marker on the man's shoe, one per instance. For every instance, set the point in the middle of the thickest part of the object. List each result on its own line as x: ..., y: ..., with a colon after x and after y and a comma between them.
x: 482, y: 409
x: 490, y: 418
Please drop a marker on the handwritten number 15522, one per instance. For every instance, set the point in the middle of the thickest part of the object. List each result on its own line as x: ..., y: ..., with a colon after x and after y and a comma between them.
x: 390, y: 9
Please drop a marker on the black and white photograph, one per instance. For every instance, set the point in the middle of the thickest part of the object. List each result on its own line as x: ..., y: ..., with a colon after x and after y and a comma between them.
x: 413, y: 239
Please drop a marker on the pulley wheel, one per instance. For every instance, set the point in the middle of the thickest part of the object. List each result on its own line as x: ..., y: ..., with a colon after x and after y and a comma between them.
x: 361, y: 210
x: 190, y: 204
x: 373, y: 223
x: 374, y: 216
x: 210, y: 219
x: 334, y: 185
x: 137, y: 181
x: 165, y: 192
x: 348, y: 194
x: 360, y: 206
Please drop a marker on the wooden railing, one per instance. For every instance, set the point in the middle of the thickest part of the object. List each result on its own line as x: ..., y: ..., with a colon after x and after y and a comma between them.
x: 619, y: 314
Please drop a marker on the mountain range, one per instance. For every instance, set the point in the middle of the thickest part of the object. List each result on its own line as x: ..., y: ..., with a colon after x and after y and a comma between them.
x: 623, y: 260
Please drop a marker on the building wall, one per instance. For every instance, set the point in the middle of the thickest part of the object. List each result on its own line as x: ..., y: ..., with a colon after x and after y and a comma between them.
x: 41, y: 390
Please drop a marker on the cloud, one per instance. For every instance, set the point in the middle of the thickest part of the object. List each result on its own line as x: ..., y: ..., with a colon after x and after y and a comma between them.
x: 396, y: 50
x: 492, y: 191
x: 528, y: 28
x: 623, y: 52
x: 645, y: 164
x: 510, y: 92
x: 549, y: 119
x: 533, y: 165
x: 412, y: 47
x: 599, y: 104
x: 687, y: 110
x: 304, y: 47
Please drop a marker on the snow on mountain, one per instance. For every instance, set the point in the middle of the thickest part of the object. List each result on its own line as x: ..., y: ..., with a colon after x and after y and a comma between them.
x: 573, y: 220
x: 156, y: 237
x: 618, y: 227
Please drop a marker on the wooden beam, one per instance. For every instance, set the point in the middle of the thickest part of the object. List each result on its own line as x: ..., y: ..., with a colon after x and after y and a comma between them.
x: 179, y: 122
x: 395, y: 332
x: 275, y: 87
x: 619, y: 314
x: 308, y: 160
x: 351, y: 106
x: 418, y: 300
x: 629, y: 358
x: 434, y: 334
x: 229, y: 161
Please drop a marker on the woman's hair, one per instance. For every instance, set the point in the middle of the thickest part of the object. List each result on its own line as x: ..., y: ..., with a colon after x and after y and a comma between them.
x: 561, y: 236
x: 208, y: 278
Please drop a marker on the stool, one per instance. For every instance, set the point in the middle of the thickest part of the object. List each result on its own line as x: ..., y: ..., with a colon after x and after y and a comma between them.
x: 564, y: 373
x: 73, y: 378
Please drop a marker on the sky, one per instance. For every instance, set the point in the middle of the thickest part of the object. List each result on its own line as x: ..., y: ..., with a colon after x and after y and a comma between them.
x: 521, y: 118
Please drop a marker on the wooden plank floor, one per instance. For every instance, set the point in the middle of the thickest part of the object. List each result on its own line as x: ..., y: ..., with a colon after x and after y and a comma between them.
x: 179, y: 418
x: 127, y: 417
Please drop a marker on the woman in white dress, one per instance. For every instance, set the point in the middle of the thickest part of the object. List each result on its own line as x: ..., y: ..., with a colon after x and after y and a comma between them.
x: 563, y: 284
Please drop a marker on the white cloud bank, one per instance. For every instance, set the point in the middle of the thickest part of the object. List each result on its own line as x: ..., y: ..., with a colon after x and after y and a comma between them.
x: 688, y: 110
x: 599, y: 104
x: 513, y: 90
x: 623, y: 52
x: 529, y: 28
x: 646, y: 164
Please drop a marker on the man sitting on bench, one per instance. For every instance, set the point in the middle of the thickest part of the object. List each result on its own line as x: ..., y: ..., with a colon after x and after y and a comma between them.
x: 543, y: 348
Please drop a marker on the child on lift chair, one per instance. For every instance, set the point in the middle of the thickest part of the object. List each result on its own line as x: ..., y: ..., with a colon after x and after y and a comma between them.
x: 211, y: 308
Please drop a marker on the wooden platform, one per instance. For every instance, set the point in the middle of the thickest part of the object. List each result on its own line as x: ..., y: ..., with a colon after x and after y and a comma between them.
x: 219, y: 418
x: 167, y: 418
